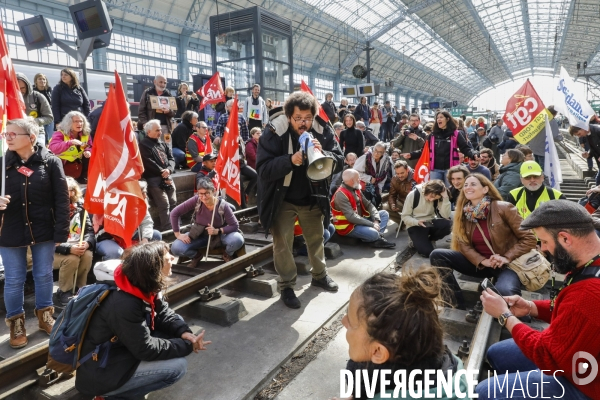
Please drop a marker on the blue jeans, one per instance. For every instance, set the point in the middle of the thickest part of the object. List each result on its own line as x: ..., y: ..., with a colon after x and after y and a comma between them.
x: 179, y: 156
x: 507, y: 283
x: 49, y: 129
x: 540, y: 160
x: 15, y: 262
x: 149, y: 377
x: 233, y: 242
x: 506, y: 358
x: 439, y: 174
x: 110, y: 250
x: 368, y: 234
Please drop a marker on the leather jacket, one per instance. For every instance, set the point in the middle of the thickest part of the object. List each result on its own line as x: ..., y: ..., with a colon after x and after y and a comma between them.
x: 508, y: 240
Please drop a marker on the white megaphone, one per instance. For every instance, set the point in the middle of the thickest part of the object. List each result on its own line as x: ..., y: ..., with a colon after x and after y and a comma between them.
x: 320, y: 166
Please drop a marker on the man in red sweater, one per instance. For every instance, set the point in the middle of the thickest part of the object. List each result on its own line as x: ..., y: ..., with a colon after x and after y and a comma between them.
x: 563, y: 359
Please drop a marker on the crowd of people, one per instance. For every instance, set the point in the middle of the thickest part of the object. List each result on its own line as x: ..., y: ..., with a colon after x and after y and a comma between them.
x: 486, y: 194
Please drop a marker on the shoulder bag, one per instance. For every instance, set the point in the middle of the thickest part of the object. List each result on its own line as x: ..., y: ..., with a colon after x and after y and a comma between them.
x: 532, y: 267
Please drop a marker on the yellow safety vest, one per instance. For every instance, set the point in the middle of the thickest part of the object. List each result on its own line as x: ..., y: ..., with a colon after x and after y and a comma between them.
x: 72, y: 154
x: 519, y: 195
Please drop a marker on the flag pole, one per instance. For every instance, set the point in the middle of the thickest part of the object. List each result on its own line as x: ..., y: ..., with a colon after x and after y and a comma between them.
x: 4, y: 149
x: 82, y: 227
x: 212, y: 220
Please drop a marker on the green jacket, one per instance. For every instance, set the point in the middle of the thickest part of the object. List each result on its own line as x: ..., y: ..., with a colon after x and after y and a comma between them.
x: 447, y: 396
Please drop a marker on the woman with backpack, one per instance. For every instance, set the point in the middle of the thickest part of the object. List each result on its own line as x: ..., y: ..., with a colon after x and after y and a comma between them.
x: 35, y: 214
x: 223, y: 229
x: 486, y: 237
x: 147, y: 341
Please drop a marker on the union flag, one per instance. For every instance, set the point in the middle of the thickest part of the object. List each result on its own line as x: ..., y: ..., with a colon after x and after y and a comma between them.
x: 212, y: 92
x: 228, y: 162
x: 115, y: 169
x: 422, y: 166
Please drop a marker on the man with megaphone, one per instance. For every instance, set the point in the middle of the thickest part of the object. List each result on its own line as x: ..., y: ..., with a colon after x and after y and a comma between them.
x: 296, y: 155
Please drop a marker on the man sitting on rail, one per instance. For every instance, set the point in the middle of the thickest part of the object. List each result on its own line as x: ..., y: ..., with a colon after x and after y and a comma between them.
x: 555, y: 359
x: 355, y: 216
x: 196, y: 147
x: 533, y: 192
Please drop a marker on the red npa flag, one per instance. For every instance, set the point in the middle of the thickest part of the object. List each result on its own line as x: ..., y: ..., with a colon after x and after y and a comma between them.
x: 212, y: 92
x: 115, y: 169
x: 12, y: 105
x: 422, y: 167
x: 228, y: 162
x: 304, y: 87
x: 208, y: 147
x: 525, y: 114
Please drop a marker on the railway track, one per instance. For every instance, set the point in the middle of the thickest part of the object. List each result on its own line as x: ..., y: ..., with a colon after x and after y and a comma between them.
x: 21, y: 371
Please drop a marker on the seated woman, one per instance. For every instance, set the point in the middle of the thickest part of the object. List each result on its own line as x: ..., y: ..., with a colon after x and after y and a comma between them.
x: 73, y: 258
x: 151, y: 343
x: 392, y: 324
x: 225, y: 225
x: 485, y: 218
x: 111, y: 247
x: 510, y: 172
x: 425, y: 216
x: 72, y: 143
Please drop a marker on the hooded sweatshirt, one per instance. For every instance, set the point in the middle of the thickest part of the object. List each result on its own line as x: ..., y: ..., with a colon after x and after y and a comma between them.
x: 36, y: 104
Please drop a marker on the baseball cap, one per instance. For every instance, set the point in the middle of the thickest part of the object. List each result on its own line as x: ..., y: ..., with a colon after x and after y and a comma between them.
x: 481, y: 127
x: 529, y: 168
x: 209, y: 157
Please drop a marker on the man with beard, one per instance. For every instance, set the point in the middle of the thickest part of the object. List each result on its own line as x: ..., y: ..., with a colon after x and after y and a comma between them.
x: 558, y: 357
x: 533, y: 192
x: 486, y: 158
x: 474, y: 166
x: 285, y: 192
x: 355, y: 216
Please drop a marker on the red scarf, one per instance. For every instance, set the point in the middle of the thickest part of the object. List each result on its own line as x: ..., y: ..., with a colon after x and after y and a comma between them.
x: 126, y: 286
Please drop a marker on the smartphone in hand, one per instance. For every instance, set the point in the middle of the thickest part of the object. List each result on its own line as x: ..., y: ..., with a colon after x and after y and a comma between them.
x: 487, y: 284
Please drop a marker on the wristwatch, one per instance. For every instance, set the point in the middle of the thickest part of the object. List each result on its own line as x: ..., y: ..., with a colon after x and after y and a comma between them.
x: 504, y: 317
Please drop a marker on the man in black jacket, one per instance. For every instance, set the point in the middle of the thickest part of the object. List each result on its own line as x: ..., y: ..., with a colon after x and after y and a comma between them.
x: 285, y: 192
x: 159, y: 164
x: 329, y: 107
x: 181, y: 134
x: 592, y: 135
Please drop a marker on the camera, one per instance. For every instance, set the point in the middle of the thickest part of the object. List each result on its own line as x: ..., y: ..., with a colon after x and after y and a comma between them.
x: 165, y: 186
x: 407, y: 132
x: 189, y: 92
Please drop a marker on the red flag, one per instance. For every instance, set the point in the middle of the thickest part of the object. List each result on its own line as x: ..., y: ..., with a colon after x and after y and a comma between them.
x: 228, y: 162
x: 212, y: 92
x: 208, y: 147
x: 422, y: 166
x: 525, y: 113
x: 304, y: 87
x: 12, y: 105
x: 115, y: 168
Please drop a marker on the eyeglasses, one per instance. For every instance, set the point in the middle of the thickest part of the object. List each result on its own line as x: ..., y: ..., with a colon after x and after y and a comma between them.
x: 204, y: 194
x: 378, y: 151
x: 300, y: 119
x: 12, y: 135
x: 202, y: 127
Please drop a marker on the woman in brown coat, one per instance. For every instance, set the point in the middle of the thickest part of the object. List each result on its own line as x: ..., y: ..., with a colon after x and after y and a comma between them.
x: 484, y: 217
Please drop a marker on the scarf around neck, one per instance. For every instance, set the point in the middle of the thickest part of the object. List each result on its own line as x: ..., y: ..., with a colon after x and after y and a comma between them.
x: 123, y: 283
x: 480, y: 211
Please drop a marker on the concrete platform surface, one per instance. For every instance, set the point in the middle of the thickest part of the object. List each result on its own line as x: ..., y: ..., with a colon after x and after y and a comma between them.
x: 321, y: 378
x: 245, y: 356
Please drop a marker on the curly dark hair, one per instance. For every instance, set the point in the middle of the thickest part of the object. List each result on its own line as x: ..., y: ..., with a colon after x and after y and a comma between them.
x: 143, y: 264
x: 304, y: 101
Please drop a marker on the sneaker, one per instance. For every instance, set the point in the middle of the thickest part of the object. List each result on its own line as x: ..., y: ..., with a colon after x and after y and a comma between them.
x: 381, y: 243
x: 326, y: 283
x: 63, y: 297
x: 289, y: 298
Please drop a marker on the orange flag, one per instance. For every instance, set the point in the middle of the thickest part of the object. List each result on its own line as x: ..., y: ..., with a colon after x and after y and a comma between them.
x: 115, y: 169
x: 228, y: 162
x: 208, y: 148
x: 304, y: 87
x: 212, y: 92
x: 422, y: 167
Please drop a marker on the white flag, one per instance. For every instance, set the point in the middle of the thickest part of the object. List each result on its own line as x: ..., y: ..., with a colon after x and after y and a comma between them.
x: 570, y: 102
x: 551, y: 161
